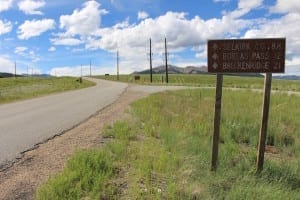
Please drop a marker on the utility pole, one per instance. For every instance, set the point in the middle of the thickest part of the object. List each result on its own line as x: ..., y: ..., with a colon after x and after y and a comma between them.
x: 90, y: 68
x: 150, y: 62
x: 80, y: 79
x: 166, y: 57
x: 15, y: 69
x: 117, y: 65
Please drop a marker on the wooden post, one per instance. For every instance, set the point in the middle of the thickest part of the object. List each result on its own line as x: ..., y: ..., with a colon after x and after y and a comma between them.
x: 217, y: 119
x: 264, y: 123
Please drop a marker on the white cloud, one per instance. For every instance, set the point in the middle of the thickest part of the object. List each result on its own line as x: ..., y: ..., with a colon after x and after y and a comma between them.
x: 26, y: 53
x: 282, y: 27
x: 180, y: 32
x: 67, y: 41
x: 5, y: 27
x: 52, y: 49
x: 244, y: 7
x: 6, y: 65
x: 142, y: 15
x: 246, y: 4
x: 20, y: 50
x: 30, y: 7
x: 282, y: 6
x: 132, y: 40
x: 85, y: 21
x: 35, y: 28
x: 5, y: 4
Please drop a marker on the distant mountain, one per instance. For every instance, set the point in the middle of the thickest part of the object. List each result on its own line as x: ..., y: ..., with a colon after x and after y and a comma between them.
x: 41, y: 75
x: 7, y: 75
x: 190, y: 70
x: 287, y: 77
x: 175, y: 70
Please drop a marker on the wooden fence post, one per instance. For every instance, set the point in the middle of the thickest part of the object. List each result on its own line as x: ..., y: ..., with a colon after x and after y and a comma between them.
x: 264, y: 123
x: 217, y: 119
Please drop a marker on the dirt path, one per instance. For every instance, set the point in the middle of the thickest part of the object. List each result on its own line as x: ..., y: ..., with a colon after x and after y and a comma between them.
x: 21, y: 180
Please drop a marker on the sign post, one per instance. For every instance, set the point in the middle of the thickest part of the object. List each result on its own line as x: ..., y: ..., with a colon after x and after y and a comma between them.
x: 217, y: 119
x: 245, y: 56
x: 264, y: 123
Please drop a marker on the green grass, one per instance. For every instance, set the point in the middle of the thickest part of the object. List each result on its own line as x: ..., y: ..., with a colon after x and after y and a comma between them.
x: 164, y: 151
x: 14, y: 89
x: 86, y: 171
x: 209, y: 81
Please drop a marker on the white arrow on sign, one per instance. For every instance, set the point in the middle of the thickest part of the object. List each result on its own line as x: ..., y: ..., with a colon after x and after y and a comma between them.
x: 215, y: 46
x: 215, y: 65
x: 215, y: 56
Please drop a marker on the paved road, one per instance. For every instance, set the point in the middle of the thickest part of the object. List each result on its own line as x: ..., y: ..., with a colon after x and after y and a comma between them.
x: 26, y: 123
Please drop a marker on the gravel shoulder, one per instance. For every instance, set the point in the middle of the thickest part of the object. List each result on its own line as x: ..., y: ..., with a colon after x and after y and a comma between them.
x: 22, y: 179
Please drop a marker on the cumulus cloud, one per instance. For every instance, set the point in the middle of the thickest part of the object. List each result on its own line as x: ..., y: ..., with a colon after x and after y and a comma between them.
x: 132, y: 40
x: 35, y: 28
x: 5, y: 27
x: 30, y: 7
x: 51, y: 49
x: 142, y: 15
x: 5, y: 5
x: 85, y: 21
x: 282, y: 6
x: 65, y: 39
x: 180, y: 32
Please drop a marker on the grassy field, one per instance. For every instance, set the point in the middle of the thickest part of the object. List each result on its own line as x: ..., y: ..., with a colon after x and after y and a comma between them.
x: 209, y: 81
x: 21, y: 88
x: 163, y: 152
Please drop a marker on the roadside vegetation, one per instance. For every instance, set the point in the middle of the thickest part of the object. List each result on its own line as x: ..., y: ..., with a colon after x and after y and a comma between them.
x: 163, y: 151
x: 208, y: 81
x: 20, y: 88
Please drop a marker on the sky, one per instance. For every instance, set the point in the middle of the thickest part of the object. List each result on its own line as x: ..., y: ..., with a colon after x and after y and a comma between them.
x: 61, y: 37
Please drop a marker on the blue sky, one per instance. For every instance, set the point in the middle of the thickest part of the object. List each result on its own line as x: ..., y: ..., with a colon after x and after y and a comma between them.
x: 58, y: 36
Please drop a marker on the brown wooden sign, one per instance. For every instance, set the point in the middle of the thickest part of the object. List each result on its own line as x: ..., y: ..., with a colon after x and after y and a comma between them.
x: 246, y: 55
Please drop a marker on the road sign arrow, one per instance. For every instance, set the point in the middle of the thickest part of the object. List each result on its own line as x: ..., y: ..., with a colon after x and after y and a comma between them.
x: 215, y: 56
x: 215, y: 46
x: 215, y: 65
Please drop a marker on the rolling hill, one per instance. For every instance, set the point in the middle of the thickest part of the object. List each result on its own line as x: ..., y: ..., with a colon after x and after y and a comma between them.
x: 189, y: 70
